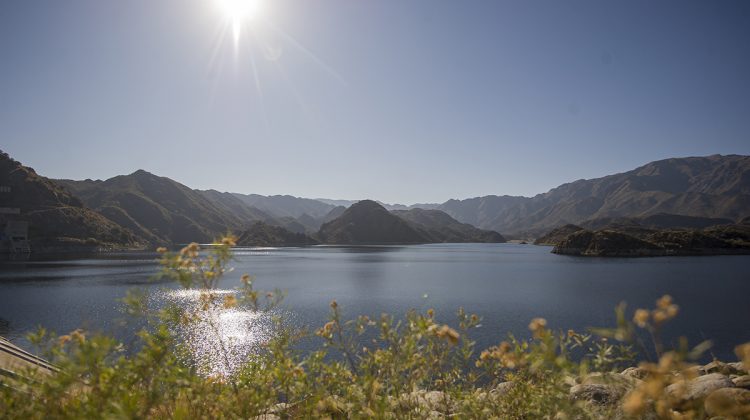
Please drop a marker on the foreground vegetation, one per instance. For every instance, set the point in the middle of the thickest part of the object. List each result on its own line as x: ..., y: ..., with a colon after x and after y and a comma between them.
x: 414, y: 367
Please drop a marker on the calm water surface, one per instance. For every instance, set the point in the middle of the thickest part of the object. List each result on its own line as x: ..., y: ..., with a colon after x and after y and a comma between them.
x: 506, y: 284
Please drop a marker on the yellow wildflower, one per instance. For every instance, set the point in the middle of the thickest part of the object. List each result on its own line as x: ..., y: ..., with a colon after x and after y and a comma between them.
x: 664, y: 302
x: 230, y: 301
x: 229, y: 240
x: 537, y: 326
x: 641, y: 317
x: 743, y: 353
x: 449, y: 333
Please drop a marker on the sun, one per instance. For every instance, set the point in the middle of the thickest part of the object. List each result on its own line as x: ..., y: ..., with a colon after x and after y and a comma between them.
x: 238, y: 12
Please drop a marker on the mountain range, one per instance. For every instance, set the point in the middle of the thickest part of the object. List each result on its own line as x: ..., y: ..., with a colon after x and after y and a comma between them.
x: 714, y: 186
x: 145, y: 209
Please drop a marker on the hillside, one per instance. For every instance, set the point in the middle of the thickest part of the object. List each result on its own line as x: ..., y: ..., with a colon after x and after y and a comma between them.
x: 710, y: 187
x: 367, y: 222
x: 57, y: 218
x: 230, y: 204
x: 158, y: 208
x: 285, y: 205
x: 262, y: 234
x: 440, y: 227
x: 632, y: 242
x: 557, y: 235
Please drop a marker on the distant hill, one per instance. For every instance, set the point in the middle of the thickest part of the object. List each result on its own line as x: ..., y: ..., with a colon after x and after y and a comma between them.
x: 556, y: 235
x: 657, y: 221
x: 633, y: 225
x: 333, y: 214
x: 440, y: 227
x: 158, y: 208
x: 233, y: 205
x: 347, y: 203
x: 637, y: 242
x: 337, y: 203
x: 710, y: 187
x: 367, y: 222
x: 310, y: 223
x: 286, y: 205
x: 262, y: 234
x: 56, y: 217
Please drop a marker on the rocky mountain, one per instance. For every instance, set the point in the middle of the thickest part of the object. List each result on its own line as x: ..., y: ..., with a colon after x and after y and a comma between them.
x: 337, y: 203
x: 367, y: 222
x: 658, y: 221
x: 636, y: 226
x: 229, y: 203
x: 390, y: 207
x: 440, y: 227
x: 280, y: 206
x: 159, y: 209
x: 56, y: 217
x: 333, y: 214
x: 714, y: 187
x: 263, y: 234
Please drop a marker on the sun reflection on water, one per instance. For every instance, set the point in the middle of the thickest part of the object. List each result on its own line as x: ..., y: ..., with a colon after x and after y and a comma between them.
x: 220, y: 339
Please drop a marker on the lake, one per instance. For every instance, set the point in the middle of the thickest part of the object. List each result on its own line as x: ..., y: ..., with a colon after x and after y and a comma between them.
x: 506, y: 284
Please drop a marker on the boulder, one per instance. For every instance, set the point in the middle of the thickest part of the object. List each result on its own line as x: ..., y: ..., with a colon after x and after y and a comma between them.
x: 723, y: 368
x: 739, y: 368
x: 623, y: 381
x: 599, y: 394
x: 502, y: 388
x: 685, y: 392
x: 728, y: 402
x: 426, y: 401
x: 635, y: 372
x: 742, y: 381
x: 495, y: 393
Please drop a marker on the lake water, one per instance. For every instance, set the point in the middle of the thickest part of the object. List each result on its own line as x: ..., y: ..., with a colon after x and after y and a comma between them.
x: 506, y: 284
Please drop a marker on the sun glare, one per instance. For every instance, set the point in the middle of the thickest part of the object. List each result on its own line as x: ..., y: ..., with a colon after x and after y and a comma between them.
x: 237, y: 12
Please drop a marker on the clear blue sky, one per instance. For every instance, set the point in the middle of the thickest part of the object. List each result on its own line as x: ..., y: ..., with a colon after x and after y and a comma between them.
x: 401, y: 101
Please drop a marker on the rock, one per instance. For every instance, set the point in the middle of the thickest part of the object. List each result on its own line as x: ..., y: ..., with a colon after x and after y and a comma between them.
x: 502, y: 388
x: 742, y: 381
x: 429, y: 400
x: 739, y: 368
x: 635, y: 372
x: 280, y: 408
x: 569, y: 381
x: 723, y: 368
x: 691, y: 371
x: 435, y: 415
x: 495, y: 393
x: 599, y: 394
x: 622, y: 381
x: 728, y: 402
x: 685, y: 392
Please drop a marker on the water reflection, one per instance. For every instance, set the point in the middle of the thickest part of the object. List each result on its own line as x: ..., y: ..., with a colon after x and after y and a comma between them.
x: 219, y: 339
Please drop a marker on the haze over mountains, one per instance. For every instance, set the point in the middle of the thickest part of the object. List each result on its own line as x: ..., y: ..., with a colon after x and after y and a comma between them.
x: 143, y: 208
